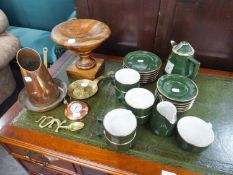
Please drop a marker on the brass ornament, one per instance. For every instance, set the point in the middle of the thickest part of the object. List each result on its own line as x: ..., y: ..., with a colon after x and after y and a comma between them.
x: 49, y: 121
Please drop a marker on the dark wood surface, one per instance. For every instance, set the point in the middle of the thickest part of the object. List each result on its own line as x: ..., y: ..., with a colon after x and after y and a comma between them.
x: 77, y: 153
x: 74, y: 152
x: 132, y: 22
x: 150, y: 25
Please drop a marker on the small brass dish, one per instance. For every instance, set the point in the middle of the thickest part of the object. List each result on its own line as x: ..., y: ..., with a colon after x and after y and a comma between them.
x: 83, y: 89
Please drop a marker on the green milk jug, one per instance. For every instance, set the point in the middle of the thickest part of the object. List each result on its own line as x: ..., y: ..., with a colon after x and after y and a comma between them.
x: 181, y: 60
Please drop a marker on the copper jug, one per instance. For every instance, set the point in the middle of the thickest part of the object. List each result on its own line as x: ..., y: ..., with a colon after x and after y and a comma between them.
x: 41, y: 88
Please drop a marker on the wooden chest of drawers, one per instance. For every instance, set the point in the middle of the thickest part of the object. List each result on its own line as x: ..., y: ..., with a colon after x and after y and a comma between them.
x: 41, y: 164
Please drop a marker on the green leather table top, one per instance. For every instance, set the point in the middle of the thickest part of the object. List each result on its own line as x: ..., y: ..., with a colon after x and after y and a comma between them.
x: 214, y: 104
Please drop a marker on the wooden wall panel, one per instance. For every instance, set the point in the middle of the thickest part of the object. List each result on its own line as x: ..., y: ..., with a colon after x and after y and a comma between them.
x: 133, y: 22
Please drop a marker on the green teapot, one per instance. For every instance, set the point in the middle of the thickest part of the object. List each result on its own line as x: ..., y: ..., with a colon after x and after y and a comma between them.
x: 181, y: 60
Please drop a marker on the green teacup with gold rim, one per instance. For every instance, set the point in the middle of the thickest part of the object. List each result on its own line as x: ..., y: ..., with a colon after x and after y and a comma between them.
x: 125, y: 79
x: 163, y: 119
x: 140, y: 101
x: 120, y: 129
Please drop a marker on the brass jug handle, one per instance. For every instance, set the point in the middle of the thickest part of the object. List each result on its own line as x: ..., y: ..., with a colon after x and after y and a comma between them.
x: 104, y: 76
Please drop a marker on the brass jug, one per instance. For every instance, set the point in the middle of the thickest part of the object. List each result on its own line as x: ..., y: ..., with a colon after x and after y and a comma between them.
x: 41, y: 88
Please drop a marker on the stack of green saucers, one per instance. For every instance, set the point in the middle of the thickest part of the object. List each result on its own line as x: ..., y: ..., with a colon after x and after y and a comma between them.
x: 178, y: 89
x: 146, y: 63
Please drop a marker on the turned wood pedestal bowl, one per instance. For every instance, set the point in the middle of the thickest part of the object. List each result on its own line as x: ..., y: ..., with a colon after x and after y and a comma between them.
x: 82, y: 36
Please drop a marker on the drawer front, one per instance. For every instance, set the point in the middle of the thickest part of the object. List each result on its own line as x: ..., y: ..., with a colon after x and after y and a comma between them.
x: 89, y: 171
x: 42, y: 159
x: 33, y: 168
x: 42, y: 162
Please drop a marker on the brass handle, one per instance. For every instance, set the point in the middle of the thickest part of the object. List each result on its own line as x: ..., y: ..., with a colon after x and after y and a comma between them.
x: 45, y: 56
x: 37, y: 162
x: 107, y: 74
x: 45, y: 161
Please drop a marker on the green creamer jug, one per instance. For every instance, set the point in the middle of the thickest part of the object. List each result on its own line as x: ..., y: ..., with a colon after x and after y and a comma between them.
x: 181, y: 60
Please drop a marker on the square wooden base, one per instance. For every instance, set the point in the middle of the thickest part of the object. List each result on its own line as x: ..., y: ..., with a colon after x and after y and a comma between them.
x: 90, y: 74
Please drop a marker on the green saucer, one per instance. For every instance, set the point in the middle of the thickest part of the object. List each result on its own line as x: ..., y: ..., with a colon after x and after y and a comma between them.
x: 142, y: 61
x: 175, y: 102
x: 177, y: 87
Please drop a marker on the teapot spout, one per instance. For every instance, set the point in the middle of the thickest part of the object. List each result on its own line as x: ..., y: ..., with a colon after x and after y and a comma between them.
x: 173, y: 43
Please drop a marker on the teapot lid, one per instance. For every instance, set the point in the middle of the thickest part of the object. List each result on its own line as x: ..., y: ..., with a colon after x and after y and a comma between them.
x: 183, y: 48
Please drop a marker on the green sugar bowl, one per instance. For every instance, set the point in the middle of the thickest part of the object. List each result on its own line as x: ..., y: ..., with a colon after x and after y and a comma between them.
x: 194, y: 134
x: 181, y: 60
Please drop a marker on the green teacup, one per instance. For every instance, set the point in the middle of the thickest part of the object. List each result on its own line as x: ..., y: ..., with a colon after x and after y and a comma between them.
x: 120, y: 146
x: 163, y: 120
x: 120, y: 129
x: 194, y: 134
x: 140, y: 102
x: 126, y: 79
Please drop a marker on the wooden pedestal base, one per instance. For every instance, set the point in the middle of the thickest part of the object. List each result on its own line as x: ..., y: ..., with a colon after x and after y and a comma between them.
x: 90, y: 74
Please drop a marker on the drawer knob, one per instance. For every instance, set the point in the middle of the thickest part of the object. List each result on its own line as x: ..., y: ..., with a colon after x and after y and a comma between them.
x: 40, y: 174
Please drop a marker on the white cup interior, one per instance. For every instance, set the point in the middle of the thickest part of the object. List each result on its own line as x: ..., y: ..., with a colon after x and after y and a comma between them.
x: 120, y: 122
x: 139, y: 98
x: 127, y: 76
x: 168, y: 110
x: 195, y: 131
